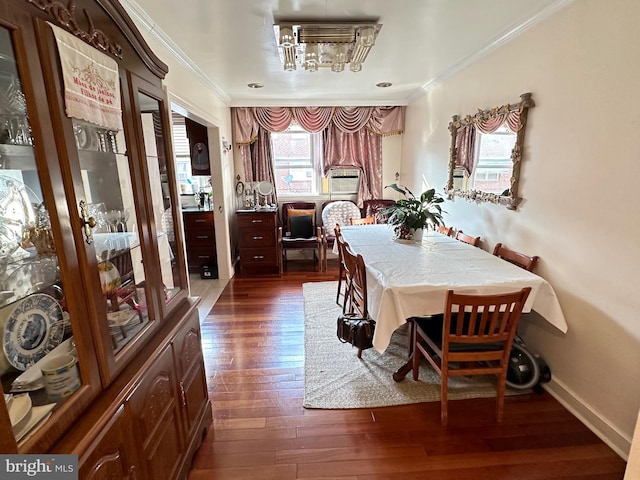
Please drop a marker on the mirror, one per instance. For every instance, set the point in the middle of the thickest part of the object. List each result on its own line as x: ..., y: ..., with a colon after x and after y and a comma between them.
x: 486, y: 154
x: 265, y: 189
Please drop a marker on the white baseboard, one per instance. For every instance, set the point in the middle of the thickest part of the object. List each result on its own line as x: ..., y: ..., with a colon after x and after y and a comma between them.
x: 618, y: 442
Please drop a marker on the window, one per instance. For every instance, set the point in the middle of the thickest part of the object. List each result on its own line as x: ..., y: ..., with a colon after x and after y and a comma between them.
x: 493, y: 164
x: 297, y: 156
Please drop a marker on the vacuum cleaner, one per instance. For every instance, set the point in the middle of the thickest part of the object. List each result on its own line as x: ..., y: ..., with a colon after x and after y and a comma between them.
x: 526, y: 370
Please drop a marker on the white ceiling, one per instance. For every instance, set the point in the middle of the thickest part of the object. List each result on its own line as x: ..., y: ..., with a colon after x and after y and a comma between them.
x: 230, y: 43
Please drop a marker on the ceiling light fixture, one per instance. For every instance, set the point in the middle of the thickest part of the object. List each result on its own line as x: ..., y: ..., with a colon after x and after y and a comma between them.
x: 383, y: 84
x: 255, y: 85
x: 311, y: 45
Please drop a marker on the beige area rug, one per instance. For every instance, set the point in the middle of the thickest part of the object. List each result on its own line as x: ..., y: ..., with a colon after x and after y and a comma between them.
x: 334, y: 377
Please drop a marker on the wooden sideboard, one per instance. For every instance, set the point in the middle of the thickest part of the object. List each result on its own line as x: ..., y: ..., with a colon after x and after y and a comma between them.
x: 258, y: 242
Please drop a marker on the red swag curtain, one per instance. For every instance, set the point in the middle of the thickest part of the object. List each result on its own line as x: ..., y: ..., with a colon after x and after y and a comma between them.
x: 352, y: 138
x: 466, y: 136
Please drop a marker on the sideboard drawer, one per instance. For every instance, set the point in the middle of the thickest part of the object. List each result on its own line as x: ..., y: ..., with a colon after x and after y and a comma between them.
x: 257, y: 220
x: 258, y: 256
x: 196, y: 237
x: 199, y: 256
x: 198, y: 220
x: 200, y: 240
x: 260, y: 237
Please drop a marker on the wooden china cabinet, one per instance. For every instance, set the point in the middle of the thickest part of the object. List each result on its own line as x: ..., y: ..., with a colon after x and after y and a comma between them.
x: 90, y: 263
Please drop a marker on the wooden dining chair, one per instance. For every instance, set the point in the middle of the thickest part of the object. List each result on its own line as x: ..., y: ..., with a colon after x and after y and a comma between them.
x: 448, y: 231
x: 473, y: 337
x: 344, y: 277
x: 463, y: 237
x: 519, y: 259
x: 357, y: 287
x: 362, y: 221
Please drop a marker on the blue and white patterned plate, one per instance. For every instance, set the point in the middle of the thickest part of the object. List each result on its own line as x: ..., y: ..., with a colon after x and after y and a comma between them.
x: 34, y: 328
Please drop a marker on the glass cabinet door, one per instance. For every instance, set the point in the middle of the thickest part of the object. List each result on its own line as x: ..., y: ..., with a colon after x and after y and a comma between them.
x: 35, y: 322
x: 108, y: 204
x: 161, y: 179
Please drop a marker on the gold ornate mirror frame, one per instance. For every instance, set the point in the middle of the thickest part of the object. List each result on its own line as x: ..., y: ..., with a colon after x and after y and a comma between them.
x: 511, y: 200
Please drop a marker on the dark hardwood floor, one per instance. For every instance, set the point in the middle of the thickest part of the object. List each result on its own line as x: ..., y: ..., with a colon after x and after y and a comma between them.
x: 254, y: 355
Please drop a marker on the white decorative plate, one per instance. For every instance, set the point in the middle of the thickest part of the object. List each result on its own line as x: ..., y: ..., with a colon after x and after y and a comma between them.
x: 19, y: 409
x: 28, y: 387
x: 109, y: 277
x: 36, y: 416
x: 121, y: 317
x: 33, y: 329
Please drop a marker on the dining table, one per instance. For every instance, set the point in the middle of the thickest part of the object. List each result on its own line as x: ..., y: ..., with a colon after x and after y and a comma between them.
x: 407, y: 278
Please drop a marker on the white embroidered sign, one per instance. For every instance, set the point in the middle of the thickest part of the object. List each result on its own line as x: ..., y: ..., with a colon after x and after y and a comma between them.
x: 91, y: 82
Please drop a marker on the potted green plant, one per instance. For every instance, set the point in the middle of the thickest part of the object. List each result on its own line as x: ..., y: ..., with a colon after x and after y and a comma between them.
x: 410, y: 216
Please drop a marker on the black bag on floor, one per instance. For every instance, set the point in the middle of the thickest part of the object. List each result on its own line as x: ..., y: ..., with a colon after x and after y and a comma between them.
x: 356, y: 330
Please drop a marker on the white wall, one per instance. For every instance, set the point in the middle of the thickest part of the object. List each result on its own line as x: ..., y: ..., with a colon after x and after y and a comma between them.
x: 579, y: 175
x: 198, y: 101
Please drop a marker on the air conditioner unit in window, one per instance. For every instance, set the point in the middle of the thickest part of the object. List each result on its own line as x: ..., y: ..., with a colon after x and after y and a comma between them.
x: 344, y: 181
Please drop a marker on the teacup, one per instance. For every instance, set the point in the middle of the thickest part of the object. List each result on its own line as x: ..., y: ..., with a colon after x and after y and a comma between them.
x: 61, y: 376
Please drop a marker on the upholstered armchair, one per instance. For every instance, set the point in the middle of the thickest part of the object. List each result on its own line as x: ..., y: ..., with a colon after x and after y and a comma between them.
x: 299, y: 231
x: 336, y: 212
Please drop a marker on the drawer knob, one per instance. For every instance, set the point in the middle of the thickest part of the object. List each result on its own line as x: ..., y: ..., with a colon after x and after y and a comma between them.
x: 258, y: 257
x: 256, y: 221
x: 258, y: 238
x: 202, y: 236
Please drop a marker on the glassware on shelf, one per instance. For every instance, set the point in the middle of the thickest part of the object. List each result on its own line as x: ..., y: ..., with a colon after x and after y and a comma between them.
x: 113, y: 217
x: 124, y: 218
x: 99, y: 213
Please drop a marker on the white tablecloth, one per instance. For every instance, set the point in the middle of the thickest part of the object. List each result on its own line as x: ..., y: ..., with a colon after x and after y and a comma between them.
x: 406, y: 279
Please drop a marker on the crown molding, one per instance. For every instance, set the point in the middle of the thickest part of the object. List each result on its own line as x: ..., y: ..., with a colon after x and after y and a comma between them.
x: 326, y: 102
x: 144, y: 21
x: 188, y: 109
